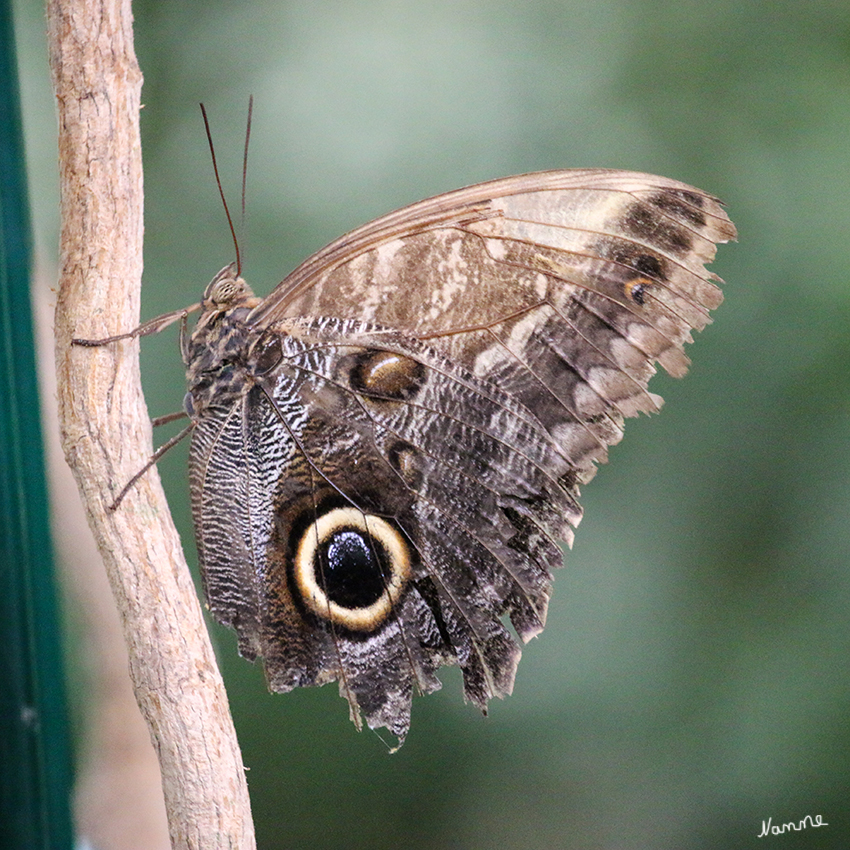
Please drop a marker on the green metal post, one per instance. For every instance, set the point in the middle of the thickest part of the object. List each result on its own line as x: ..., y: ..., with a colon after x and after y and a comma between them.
x: 35, y: 774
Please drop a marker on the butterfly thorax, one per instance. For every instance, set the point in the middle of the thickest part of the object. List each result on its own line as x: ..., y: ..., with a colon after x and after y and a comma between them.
x: 218, y: 352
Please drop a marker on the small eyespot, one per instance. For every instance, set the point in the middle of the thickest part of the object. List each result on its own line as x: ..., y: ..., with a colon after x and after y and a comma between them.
x: 386, y: 375
x: 637, y: 288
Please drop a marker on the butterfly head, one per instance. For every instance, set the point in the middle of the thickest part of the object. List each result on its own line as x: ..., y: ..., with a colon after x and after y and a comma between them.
x: 228, y: 290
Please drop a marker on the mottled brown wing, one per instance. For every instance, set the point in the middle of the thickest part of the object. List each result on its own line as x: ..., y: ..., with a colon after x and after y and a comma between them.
x: 367, y: 511
x: 564, y: 287
x: 388, y: 449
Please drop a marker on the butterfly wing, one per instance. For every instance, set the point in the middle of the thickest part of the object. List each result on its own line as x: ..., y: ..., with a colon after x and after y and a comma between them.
x: 441, y: 490
x: 421, y: 400
x: 564, y: 287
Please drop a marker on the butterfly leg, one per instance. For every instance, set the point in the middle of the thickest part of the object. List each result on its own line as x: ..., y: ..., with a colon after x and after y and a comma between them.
x: 154, y: 458
x: 152, y: 326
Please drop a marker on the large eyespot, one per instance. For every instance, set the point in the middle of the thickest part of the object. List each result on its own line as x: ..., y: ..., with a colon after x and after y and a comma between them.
x: 351, y: 568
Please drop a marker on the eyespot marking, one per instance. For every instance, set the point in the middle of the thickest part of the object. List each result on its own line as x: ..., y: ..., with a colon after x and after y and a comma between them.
x: 636, y: 289
x: 351, y: 568
x: 386, y: 375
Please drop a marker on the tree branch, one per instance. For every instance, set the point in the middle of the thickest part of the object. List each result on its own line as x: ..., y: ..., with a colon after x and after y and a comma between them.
x: 106, y: 432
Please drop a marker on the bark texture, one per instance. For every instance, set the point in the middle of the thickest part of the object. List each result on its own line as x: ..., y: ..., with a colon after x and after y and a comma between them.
x: 106, y: 433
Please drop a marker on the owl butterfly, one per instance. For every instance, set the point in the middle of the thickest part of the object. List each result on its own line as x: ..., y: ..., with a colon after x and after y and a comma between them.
x: 387, y: 450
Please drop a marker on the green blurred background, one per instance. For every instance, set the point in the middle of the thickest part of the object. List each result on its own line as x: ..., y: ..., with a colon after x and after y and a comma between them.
x: 693, y: 679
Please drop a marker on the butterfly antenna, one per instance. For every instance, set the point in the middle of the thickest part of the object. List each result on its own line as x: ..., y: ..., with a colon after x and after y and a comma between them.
x: 221, y: 192
x: 245, y: 166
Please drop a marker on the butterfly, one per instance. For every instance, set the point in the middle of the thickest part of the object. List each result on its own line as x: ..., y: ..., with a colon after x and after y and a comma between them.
x: 387, y: 450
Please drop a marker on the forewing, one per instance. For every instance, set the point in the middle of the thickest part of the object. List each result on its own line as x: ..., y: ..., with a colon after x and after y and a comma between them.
x: 564, y: 287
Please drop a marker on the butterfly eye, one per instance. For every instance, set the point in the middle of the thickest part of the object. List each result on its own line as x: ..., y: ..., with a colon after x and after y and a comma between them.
x: 351, y: 568
x: 228, y: 291
x: 225, y: 290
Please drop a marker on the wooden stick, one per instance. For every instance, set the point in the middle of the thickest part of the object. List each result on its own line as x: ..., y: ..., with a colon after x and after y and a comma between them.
x: 106, y: 432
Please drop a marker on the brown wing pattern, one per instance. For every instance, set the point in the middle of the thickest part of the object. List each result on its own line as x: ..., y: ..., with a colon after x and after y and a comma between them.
x: 448, y: 477
x: 388, y: 448
x: 564, y: 287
